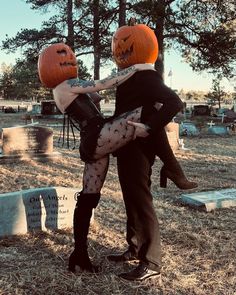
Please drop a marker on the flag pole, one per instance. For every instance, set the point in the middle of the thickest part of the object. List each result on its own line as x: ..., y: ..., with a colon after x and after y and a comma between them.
x: 170, y: 74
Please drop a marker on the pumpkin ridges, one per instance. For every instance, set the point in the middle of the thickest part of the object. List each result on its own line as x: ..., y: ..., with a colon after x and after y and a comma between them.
x: 56, y: 63
x: 151, y: 52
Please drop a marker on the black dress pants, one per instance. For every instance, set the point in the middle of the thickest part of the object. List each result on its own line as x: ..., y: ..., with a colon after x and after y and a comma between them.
x: 134, y: 162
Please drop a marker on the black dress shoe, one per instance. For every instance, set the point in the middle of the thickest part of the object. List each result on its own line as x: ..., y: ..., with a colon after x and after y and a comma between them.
x: 83, y: 261
x: 140, y: 273
x: 126, y: 256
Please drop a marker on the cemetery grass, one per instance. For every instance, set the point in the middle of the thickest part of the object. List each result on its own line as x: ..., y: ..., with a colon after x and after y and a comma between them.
x: 198, y: 248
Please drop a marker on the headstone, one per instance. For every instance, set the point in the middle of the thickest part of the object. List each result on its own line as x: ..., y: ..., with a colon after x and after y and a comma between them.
x: 201, y: 110
x: 107, y: 113
x: 218, y: 130
x: 36, y: 109
x: 188, y: 129
x: 211, y: 200
x: 182, y: 145
x: 37, y: 209
x: 211, y: 124
x: 230, y: 115
x: 28, y: 141
x: 222, y: 118
x: 172, y: 131
x: 107, y: 109
x: 48, y: 107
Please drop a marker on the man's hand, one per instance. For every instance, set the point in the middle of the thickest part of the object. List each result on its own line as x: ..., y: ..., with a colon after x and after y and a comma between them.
x: 140, y: 129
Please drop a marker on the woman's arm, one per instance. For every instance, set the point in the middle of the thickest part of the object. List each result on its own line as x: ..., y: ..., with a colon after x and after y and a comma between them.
x: 68, y: 90
x: 114, y: 80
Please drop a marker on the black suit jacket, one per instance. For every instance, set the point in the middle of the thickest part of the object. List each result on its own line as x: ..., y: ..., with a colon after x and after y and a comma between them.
x: 145, y: 88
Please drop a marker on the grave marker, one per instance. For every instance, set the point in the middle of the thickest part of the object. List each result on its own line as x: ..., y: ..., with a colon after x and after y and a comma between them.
x: 211, y: 200
x: 29, y: 141
x: 37, y: 209
x: 218, y: 130
x: 211, y: 124
x: 201, y: 110
x: 189, y: 129
x: 36, y: 109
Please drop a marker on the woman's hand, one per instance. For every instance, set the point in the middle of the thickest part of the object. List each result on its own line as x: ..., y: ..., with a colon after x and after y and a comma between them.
x: 140, y: 129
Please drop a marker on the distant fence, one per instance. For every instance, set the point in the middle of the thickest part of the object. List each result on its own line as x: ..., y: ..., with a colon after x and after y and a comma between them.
x: 12, y: 106
x: 13, y: 109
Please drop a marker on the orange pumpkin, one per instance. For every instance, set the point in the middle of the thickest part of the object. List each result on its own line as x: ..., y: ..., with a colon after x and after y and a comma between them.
x: 57, y: 63
x: 134, y: 44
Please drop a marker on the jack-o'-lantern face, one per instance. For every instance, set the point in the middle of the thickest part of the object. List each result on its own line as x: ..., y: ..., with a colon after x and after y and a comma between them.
x: 56, y: 64
x: 134, y: 44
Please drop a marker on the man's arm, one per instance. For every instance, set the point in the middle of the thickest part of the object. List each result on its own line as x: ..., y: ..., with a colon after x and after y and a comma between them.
x: 154, y: 90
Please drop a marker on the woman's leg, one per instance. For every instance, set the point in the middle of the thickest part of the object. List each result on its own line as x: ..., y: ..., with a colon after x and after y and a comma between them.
x: 93, y: 178
x: 116, y: 133
x: 82, y: 216
x: 94, y: 175
x: 171, y: 168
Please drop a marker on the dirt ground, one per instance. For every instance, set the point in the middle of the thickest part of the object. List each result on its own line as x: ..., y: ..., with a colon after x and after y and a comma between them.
x: 198, y: 248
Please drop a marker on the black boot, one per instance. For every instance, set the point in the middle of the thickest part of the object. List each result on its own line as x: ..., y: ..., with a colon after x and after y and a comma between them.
x: 82, y: 216
x: 161, y: 147
x: 171, y: 168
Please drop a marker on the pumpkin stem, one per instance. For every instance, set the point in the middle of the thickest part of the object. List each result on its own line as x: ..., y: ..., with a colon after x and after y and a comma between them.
x: 132, y: 21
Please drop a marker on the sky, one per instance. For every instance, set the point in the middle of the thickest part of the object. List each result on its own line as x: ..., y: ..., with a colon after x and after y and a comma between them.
x: 16, y: 15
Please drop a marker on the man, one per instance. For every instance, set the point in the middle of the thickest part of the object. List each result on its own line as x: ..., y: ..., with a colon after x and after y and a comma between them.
x: 132, y: 44
x: 135, y: 162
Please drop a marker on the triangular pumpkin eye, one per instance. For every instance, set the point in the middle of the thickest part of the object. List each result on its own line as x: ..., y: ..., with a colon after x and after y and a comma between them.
x: 126, y: 38
x: 62, y: 52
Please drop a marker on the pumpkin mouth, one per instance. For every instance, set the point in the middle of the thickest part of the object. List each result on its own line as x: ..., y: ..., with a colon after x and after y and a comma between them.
x: 124, y: 55
x: 66, y: 64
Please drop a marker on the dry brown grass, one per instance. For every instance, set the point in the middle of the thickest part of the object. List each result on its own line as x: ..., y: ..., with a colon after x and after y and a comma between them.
x: 198, y: 248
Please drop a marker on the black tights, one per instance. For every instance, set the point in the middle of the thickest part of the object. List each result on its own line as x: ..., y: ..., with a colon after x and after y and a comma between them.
x: 113, y: 136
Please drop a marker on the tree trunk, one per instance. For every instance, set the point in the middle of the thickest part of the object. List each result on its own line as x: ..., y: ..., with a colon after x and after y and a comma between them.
x: 70, y: 25
x: 96, y: 40
x: 159, y: 65
x: 122, y: 13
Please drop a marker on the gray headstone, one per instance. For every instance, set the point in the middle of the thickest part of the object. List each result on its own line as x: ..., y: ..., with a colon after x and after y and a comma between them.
x: 29, y: 141
x: 188, y: 129
x: 37, y: 209
x: 218, y: 130
x: 211, y: 200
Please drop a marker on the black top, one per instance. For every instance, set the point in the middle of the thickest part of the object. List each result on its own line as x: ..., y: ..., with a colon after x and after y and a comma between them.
x: 145, y: 88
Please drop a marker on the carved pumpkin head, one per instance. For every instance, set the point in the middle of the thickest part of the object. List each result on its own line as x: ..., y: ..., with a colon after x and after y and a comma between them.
x: 134, y: 44
x: 57, y: 63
